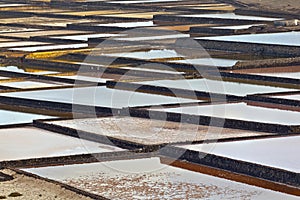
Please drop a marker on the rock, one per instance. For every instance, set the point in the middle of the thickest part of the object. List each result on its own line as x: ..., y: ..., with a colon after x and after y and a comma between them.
x: 15, y: 194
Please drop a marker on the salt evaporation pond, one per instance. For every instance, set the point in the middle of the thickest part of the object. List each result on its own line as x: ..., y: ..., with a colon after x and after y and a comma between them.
x: 23, y: 71
x: 98, y: 96
x: 241, y: 111
x: 292, y: 75
x: 11, y: 117
x: 218, y: 62
x: 295, y: 97
x: 154, y: 37
x: 129, y: 24
x: 217, y: 86
x: 286, y: 38
x: 237, y: 27
x: 29, y: 143
x: 280, y: 153
x: 49, y: 47
x: 158, y: 131
x: 149, y: 178
x: 152, y: 54
x: 87, y: 36
x: 28, y: 84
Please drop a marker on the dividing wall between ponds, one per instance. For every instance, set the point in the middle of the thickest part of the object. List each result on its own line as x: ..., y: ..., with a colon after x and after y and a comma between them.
x: 74, y: 159
x: 252, y: 48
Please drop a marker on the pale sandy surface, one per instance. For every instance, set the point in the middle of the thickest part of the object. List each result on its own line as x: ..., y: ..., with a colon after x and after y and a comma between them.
x: 292, y: 6
x: 31, y: 188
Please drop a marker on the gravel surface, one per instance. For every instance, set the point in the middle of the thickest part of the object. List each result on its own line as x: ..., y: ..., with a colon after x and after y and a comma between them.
x: 24, y: 187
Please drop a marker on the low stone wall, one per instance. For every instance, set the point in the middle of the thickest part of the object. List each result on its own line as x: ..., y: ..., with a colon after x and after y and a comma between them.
x: 206, y: 20
x: 270, y: 100
x: 252, y: 48
x: 267, y: 63
x: 75, y: 159
x: 5, y: 177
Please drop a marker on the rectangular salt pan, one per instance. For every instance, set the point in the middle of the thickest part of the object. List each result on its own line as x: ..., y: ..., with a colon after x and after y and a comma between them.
x: 216, y: 86
x: 25, y: 71
x: 166, y: 71
x: 148, y: 178
x: 129, y: 24
x: 152, y: 54
x: 286, y: 38
x: 12, y: 117
x: 28, y: 143
x: 292, y: 75
x: 238, y: 27
x: 242, y: 111
x: 11, y: 5
x: 20, y: 43
x: 86, y: 37
x: 27, y: 84
x: 289, y: 97
x: 51, y: 47
x: 98, y: 96
x: 280, y: 153
x: 150, y: 131
x: 154, y: 37
x: 84, y: 78
x: 218, y: 62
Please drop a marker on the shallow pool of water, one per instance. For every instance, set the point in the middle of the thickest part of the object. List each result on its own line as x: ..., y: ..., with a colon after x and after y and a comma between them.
x: 238, y: 27
x: 129, y: 24
x: 27, y: 71
x: 289, y: 97
x: 218, y: 62
x: 216, y: 86
x: 12, y: 117
x: 98, y: 96
x: 20, y: 44
x: 286, y: 38
x: 29, y: 142
x: 86, y: 37
x: 84, y: 78
x: 276, y: 152
x: 50, y: 47
x: 154, y: 37
x: 28, y: 84
x: 12, y: 5
x: 152, y: 54
x: 242, y: 111
x: 293, y: 75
